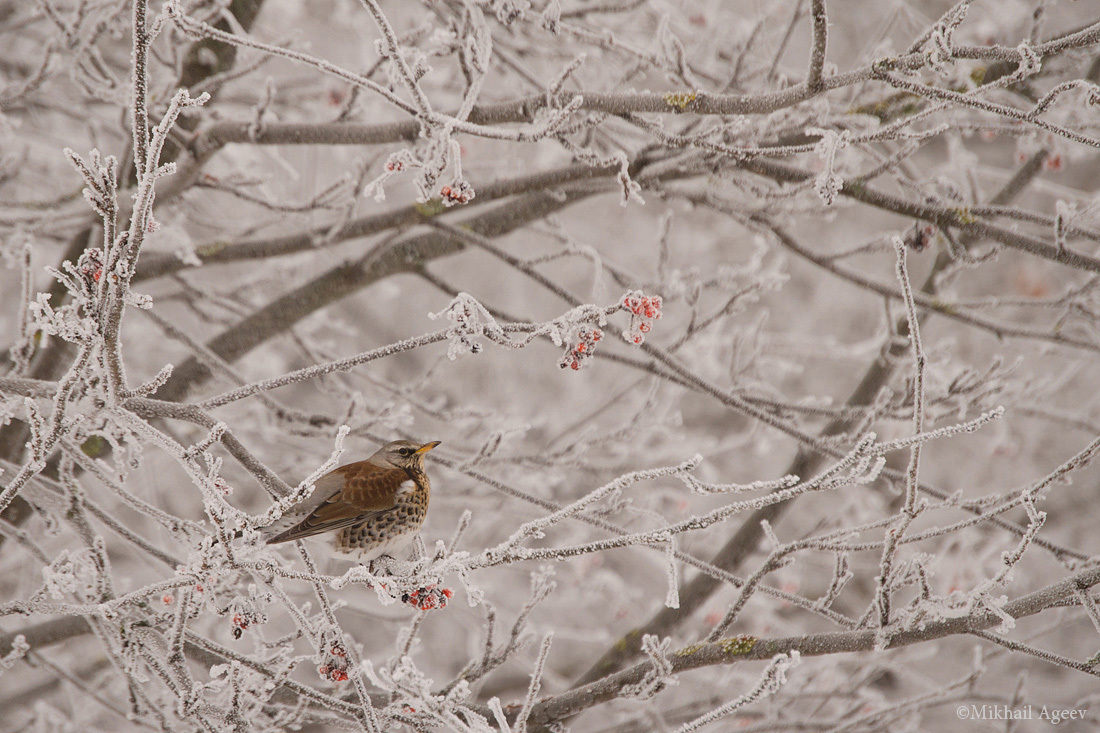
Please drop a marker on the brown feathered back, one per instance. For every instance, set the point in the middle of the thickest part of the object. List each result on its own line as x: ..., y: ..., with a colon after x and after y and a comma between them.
x: 358, y: 492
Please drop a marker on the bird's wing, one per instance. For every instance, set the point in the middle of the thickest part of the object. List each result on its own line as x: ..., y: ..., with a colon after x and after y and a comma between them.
x: 365, y: 490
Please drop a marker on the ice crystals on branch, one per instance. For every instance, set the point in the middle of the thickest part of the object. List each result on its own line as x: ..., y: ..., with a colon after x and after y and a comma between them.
x: 1065, y: 213
x: 469, y: 320
x: 701, y: 487
x: 63, y: 322
x: 19, y: 649
x: 536, y: 529
x: 772, y: 679
x: 412, y: 58
x: 672, y: 49
x: 828, y: 183
x: 413, y: 697
x: 100, y: 176
x: 578, y: 330
x: 1091, y: 94
x: 431, y: 158
x: 509, y: 11
x: 631, y: 189
x: 659, y: 676
x: 1030, y: 63
x: 937, y: 47
x: 72, y: 572
x: 550, y: 20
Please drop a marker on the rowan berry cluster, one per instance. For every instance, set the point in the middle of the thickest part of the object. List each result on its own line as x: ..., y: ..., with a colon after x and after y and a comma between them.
x: 90, y: 265
x: 921, y: 236
x: 578, y: 355
x: 242, y: 620
x: 334, y: 662
x: 459, y: 192
x: 428, y: 598
x: 644, y: 310
x: 465, y: 314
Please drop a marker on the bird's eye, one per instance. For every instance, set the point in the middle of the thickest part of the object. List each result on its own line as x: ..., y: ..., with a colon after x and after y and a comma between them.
x: 404, y: 451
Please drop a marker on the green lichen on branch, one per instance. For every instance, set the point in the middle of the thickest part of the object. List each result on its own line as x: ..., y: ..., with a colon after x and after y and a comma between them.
x: 209, y: 250
x: 943, y: 307
x: 902, y: 104
x: 430, y: 208
x: 742, y: 644
x: 679, y: 100
x: 687, y: 651
x: 963, y: 215
x: 630, y: 638
x: 95, y: 446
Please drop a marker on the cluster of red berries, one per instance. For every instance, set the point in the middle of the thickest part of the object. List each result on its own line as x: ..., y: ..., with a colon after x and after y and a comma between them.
x: 644, y: 309
x: 200, y: 588
x: 90, y: 265
x: 920, y: 237
x: 243, y: 619
x: 577, y: 355
x: 393, y: 165
x: 460, y: 192
x: 428, y: 598
x: 335, y: 665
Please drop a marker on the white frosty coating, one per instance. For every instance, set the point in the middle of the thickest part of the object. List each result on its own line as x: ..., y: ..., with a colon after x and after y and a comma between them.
x: 183, y: 340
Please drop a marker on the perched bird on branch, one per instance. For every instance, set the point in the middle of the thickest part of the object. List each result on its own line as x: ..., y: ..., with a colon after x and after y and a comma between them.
x: 376, y: 507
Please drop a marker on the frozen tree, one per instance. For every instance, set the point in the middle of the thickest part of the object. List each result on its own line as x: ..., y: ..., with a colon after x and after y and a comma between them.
x: 762, y: 340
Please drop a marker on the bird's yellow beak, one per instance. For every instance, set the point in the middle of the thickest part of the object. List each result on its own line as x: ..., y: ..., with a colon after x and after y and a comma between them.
x: 427, y: 447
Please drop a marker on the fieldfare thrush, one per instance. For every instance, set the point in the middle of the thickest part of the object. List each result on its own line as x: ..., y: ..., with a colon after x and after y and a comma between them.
x: 377, y: 505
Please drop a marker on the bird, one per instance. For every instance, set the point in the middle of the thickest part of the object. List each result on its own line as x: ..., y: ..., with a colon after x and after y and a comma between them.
x: 376, y: 506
